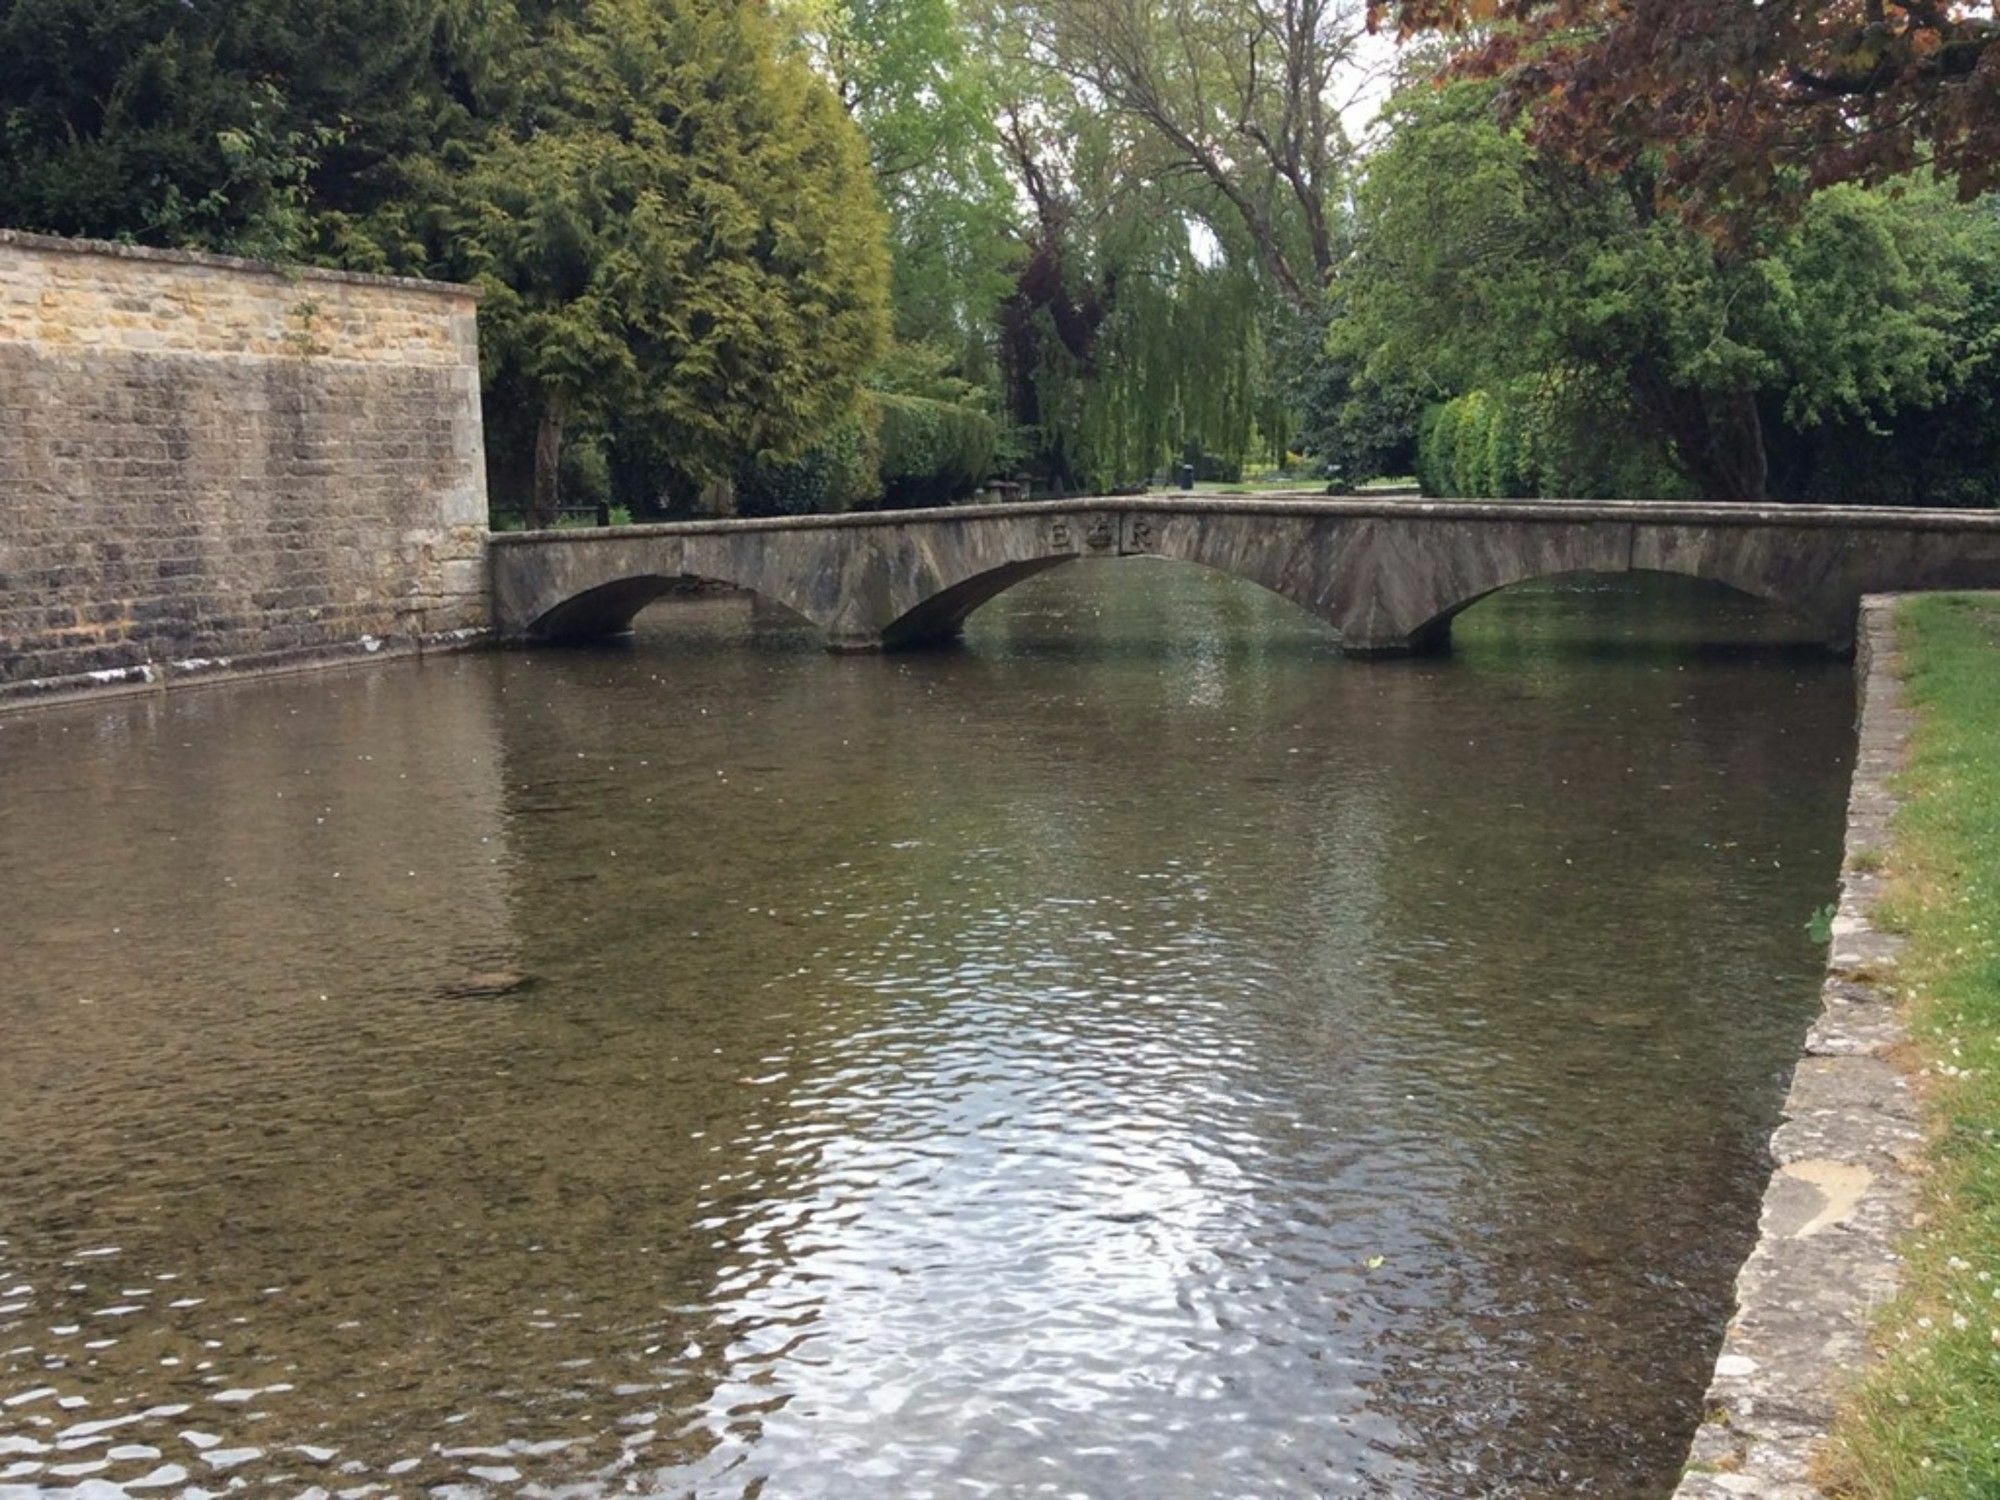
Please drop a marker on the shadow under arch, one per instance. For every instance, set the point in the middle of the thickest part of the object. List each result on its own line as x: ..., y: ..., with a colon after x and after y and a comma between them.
x: 941, y: 618
x: 1691, y: 583
x: 610, y: 608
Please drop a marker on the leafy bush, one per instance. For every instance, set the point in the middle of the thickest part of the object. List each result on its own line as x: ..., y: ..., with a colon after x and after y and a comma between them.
x: 1468, y: 459
x: 1482, y: 445
x: 840, y: 471
x: 933, y: 452
x: 586, y: 473
x: 1510, y: 456
x: 1429, y: 471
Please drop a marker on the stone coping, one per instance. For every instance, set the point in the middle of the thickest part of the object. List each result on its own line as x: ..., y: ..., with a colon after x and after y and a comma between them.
x: 1307, y: 503
x: 61, y: 245
x: 1843, y: 1184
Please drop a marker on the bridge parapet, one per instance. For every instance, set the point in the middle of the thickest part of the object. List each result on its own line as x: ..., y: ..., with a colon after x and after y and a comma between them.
x: 1389, y: 575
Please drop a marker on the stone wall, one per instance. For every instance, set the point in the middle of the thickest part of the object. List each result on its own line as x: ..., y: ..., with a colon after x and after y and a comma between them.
x: 1843, y: 1188
x: 209, y: 464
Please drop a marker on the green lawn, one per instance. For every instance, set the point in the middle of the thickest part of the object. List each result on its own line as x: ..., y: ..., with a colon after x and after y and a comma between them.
x: 1927, y: 1422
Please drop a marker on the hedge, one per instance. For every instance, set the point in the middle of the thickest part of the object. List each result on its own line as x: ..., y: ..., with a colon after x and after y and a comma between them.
x: 839, y: 472
x: 933, y: 452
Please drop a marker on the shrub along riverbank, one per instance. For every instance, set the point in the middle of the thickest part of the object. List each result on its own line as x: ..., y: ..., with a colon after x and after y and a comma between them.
x: 1927, y: 1422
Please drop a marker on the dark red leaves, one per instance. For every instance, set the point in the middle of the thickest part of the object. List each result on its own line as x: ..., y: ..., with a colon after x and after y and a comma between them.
x: 1743, y: 106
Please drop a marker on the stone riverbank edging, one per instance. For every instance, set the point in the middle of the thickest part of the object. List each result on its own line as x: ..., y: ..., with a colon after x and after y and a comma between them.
x: 1843, y: 1186
x: 166, y: 675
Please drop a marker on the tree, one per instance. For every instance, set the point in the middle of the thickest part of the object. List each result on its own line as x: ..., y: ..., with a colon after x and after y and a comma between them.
x: 1739, y: 105
x: 220, y: 126
x: 1241, y: 96
x: 907, y: 73
x: 1356, y: 426
x: 678, y: 233
x: 1483, y: 263
x: 675, y: 222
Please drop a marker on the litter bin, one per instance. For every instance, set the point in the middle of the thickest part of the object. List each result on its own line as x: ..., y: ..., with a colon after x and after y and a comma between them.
x: 1187, y: 476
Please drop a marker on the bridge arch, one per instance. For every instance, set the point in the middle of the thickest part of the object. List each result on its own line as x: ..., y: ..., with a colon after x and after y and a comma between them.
x: 942, y: 616
x: 1388, y: 575
x: 572, y: 586
x: 1434, y: 629
x: 1437, y: 629
x: 609, y: 608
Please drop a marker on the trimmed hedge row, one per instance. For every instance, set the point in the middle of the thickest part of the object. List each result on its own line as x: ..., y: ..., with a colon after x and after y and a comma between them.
x: 1477, y: 446
x: 1513, y: 444
x: 933, y: 452
x: 891, y: 450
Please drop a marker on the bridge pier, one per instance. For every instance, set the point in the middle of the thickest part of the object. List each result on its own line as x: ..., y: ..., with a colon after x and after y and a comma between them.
x: 1433, y: 639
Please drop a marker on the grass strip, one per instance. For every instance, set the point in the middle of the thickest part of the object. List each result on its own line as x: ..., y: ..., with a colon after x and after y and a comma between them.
x: 1926, y: 1422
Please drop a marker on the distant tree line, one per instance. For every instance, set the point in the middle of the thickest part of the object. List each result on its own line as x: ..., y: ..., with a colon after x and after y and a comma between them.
x: 1584, y: 343
x: 827, y: 253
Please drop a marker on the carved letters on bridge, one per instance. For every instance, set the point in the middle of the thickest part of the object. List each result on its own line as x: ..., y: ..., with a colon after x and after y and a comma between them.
x: 1101, y: 534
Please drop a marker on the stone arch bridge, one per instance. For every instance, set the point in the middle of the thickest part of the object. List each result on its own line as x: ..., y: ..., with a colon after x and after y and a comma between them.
x: 1388, y: 574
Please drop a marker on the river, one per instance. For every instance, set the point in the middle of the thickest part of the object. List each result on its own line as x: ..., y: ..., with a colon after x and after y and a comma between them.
x: 1138, y: 1053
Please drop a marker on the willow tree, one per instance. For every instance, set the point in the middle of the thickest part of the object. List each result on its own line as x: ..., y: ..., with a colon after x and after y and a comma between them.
x: 1133, y: 330
x: 910, y: 74
x: 678, y: 232
x: 1244, y: 97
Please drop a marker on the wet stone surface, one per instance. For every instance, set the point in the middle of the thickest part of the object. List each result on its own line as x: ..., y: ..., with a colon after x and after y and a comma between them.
x: 1844, y: 1188
x: 1137, y: 1053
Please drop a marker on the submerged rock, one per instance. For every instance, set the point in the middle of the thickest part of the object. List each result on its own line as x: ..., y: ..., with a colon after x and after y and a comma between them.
x: 487, y: 984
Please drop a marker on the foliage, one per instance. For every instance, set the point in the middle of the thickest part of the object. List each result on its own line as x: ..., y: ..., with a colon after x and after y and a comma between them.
x: 676, y: 229
x: 1739, y: 105
x: 933, y: 452
x: 841, y: 471
x: 1470, y: 446
x: 1474, y: 446
x: 221, y: 127
x: 1239, y: 96
x: 911, y: 369
x: 1925, y: 1420
x: 1357, y: 427
x: 1481, y: 263
x: 892, y: 449
x: 1143, y: 302
x: 909, y: 74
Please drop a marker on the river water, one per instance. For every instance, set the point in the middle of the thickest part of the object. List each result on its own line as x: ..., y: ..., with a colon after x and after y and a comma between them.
x: 1138, y: 1053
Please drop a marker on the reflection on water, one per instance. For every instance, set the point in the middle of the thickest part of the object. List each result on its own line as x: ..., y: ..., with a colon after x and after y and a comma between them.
x: 1136, y: 1054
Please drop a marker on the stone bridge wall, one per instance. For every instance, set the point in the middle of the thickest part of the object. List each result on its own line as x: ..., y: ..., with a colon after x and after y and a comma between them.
x: 208, y: 463
x: 1389, y: 575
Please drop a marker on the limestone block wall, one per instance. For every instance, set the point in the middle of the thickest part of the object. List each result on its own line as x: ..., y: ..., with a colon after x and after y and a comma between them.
x: 211, y: 464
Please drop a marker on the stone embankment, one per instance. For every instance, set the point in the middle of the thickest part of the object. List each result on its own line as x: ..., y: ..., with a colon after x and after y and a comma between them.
x: 1842, y: 1191
x: 211, y: 465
